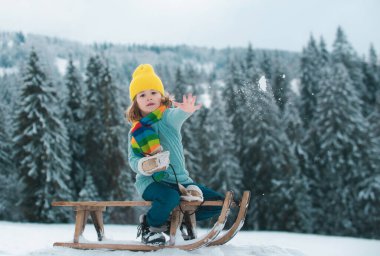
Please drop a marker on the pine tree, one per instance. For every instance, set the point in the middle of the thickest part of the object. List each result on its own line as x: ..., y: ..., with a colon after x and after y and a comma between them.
x: 300, y: 184
x: 371, y: 80
x: 374, y: 120
x: 224, y: 170
x: 312, y: 61
x: 192, y: 78
x: 344, y: 53
x: 9, y: 192
x: 249, y: 60
x: 94, y: 128
x: 204, y: 176
x: 280, y: 85
x: 105, y: 158
x: 19, y: 38
x: 309, y: 142
x: 41, y: 147
x: 343, y: 152
x: 310, y: 64
x: 251, y: 67
x: 233, y: 95
x: 73, y: 117
x: 265, y: 159
x: 192, y: 129
x: 324, y: 54
x: 113, y: 154
x: 180, y: 86
x: 191, y: 149
x: 294, y: 127
x: 231, y: 89
x: 267, y: 67
x: 369, y: 188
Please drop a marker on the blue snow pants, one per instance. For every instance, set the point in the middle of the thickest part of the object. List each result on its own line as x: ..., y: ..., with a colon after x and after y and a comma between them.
x: 166, y: 196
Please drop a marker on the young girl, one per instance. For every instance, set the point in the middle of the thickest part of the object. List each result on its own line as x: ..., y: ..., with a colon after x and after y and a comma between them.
x: 155, y: 153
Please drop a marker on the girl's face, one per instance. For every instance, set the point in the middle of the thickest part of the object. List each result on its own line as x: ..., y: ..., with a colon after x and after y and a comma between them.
x: 148, y: 101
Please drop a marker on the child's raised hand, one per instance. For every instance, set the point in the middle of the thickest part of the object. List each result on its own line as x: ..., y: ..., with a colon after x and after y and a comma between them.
x: 188, y: 104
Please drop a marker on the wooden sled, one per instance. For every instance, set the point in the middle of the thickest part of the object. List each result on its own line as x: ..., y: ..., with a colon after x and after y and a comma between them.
x: 95, y: 210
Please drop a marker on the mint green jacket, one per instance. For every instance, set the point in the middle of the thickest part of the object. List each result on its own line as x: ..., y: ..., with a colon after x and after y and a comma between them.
x: 169, y: 132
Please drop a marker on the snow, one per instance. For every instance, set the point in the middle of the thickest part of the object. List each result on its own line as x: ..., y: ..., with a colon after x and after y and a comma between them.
x: 61, y: 65
x: 205, y: 99
x: 8, y: 71
x: 37, y: 240
x: 295, y: 85
x: 10, y: 44
x: 208, y: 67
x: 263, y: 83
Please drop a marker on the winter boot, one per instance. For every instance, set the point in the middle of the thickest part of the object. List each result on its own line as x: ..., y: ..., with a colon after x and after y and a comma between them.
x: 148, y: 234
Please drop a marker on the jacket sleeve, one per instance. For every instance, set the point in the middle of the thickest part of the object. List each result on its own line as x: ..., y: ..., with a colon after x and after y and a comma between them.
x: 176, y: 117
x: 133, y: 159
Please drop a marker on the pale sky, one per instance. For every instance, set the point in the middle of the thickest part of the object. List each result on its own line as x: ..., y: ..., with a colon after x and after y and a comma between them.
x: 269, y: 24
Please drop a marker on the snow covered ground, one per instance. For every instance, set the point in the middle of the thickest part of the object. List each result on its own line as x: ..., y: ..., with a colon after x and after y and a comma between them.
x: 37, y: 240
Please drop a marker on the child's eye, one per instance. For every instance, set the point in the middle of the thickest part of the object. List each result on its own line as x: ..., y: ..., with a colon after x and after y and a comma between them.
x: 142, y: 95
x: 154, y: 93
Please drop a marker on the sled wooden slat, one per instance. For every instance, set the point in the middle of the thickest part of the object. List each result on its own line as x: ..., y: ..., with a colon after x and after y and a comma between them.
x: 92, y: 246
x: 129, y: 203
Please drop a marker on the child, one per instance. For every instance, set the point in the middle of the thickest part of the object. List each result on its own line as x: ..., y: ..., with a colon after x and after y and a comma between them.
x: 155, y: 153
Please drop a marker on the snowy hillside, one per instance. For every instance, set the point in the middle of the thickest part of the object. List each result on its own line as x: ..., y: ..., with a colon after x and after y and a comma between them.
x: 37, y: 240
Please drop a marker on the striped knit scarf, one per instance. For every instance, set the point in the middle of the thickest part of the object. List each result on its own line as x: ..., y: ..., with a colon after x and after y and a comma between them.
x: 144, y: 139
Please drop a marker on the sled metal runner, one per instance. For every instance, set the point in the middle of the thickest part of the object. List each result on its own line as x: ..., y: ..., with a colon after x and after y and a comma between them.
x: 95, y: 210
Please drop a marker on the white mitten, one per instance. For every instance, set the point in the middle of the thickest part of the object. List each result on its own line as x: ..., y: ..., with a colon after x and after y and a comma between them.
x: 154, y: 163
x: 193, y: 193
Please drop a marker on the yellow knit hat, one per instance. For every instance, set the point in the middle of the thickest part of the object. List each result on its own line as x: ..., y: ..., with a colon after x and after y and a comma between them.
x: 144, y: 78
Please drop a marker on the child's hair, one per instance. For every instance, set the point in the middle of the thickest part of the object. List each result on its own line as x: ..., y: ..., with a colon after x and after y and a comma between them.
x: 133, y: 112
